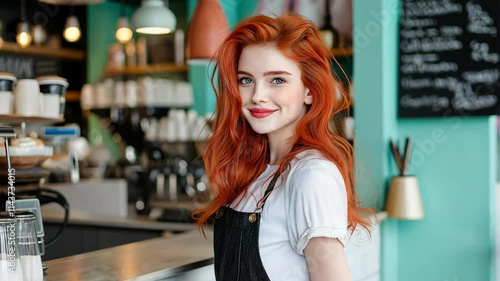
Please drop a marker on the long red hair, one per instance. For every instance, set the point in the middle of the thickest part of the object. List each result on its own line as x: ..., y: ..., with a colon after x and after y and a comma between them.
x: 236, y: 155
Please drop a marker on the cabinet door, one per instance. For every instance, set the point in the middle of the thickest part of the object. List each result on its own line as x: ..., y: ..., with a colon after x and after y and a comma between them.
x: 81, y: 239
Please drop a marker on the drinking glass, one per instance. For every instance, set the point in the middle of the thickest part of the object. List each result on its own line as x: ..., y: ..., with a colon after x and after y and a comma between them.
x: 29, y: 253
x: 10, y: 265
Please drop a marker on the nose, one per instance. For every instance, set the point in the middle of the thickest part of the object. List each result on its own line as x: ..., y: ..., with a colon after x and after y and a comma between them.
x: 259, y: 94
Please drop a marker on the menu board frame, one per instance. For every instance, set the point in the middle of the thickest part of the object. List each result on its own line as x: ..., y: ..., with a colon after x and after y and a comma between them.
x: 449, y: 58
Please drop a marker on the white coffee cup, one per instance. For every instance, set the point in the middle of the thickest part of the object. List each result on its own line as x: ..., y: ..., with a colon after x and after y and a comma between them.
x: 87, y: 97
x: 6, y: 102
x: 120, y: 94
x: 7, y: 82
x: 27, y: 97
x: 132, y: 98
x: 51, y: 105
x: 52, y: 86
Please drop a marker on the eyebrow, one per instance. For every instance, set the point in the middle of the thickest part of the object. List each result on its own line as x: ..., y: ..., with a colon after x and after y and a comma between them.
x: 267, y: 73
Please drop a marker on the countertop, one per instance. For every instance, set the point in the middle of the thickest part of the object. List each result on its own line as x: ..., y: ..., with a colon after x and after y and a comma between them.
x: 153, y: 259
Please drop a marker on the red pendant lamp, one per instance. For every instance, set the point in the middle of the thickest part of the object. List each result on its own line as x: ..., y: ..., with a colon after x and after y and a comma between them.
x: 207, y: 30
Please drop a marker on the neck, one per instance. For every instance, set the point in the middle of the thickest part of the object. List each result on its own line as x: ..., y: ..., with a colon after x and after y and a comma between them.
x: 278, y: 148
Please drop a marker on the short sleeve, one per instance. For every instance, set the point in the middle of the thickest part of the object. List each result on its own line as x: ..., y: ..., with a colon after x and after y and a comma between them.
x: 317, y: 205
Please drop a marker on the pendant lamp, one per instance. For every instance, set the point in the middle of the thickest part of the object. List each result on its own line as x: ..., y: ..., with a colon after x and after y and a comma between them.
x: 123, y: 32
x: 207, y: 30
x: 153, y: 17
x: 72, y: 32
x: 23, y: 36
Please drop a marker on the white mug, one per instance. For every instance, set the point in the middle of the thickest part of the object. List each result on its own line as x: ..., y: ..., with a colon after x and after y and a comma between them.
x: 52, y: 86
x: 51, y: 105
x: 7, y: 82
x: 27, y: 97
x: 87, y: 97
x: 6, y: 102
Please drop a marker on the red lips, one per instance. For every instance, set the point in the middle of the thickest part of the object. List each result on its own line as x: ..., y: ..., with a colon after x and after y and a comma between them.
x: 261, y: 112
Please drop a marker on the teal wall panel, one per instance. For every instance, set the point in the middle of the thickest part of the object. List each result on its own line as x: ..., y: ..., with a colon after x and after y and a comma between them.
x: 102, y: 19
x: 204, y: 96
x: 454, y: 160
x: 374, y: 82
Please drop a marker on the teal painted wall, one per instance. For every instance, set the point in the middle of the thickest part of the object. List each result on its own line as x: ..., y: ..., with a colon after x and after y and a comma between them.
x: 102, y: 19
x: 375, y: 64
x: 453, y: 158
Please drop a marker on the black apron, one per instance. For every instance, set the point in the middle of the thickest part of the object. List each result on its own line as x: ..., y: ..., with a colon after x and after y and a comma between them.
x: 236, y: 243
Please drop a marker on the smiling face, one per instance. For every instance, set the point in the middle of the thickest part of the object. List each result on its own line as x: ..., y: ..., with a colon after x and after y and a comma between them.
x: 273, y: 95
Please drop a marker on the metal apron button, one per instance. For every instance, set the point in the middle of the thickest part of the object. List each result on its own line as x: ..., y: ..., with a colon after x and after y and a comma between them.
x: 219, y: 214
x: 252, y: 218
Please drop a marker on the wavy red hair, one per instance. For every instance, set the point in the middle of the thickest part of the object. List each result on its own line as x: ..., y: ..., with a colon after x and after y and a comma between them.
x: 236, y: 155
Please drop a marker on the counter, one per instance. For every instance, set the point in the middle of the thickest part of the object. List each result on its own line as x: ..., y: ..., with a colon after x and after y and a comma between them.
x: 189, y: 254
x: 153, y: 259
x: 86, y: 232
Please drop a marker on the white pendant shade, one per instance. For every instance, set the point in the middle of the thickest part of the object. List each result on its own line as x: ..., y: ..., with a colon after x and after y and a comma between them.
x: 153, y: 17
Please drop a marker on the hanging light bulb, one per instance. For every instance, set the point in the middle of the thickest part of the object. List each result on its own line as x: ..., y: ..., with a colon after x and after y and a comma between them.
x: 123, y: 31
x: 23, y: 36
x: 72, y: 31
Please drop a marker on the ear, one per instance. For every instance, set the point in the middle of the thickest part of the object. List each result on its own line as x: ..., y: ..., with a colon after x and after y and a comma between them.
x: 309, y: 98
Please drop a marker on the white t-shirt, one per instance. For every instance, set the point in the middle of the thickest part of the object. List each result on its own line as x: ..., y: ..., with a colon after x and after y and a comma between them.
x: 309, y: 200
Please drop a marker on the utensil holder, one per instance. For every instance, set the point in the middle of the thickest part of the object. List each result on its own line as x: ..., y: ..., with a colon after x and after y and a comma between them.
x: 404, y: 201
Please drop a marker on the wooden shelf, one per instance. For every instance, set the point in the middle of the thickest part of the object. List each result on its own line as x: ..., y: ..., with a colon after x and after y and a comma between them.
x: 69, y: 54
x: 342, y: 52
x: 72, y: 96
x: 18, y: 119
x: 149, y: 69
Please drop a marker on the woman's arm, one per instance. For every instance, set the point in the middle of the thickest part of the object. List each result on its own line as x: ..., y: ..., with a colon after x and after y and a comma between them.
x: 326, y: 260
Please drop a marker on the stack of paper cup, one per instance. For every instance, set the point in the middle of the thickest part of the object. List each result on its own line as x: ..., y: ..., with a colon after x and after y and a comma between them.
x: 87, y: 97
x: 27, y: 98
x: 7, y: 82
x: 54, y: 95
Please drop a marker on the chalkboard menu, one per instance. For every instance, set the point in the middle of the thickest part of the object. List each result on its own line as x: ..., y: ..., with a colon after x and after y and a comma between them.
x: 449, y: 58
x: 25, y: 66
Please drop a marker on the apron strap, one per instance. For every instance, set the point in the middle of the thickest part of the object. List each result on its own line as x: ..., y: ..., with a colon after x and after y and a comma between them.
x: 270, y: 188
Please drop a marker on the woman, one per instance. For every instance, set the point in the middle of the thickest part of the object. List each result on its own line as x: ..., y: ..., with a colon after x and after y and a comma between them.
x: 283, y: 182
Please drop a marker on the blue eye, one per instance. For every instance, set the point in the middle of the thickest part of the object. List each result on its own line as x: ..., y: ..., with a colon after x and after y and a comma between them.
x: 278, y: 80
x: 245, y: 80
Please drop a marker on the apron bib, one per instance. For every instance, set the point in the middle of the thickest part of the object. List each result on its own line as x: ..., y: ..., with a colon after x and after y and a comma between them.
x: 236, y: 243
